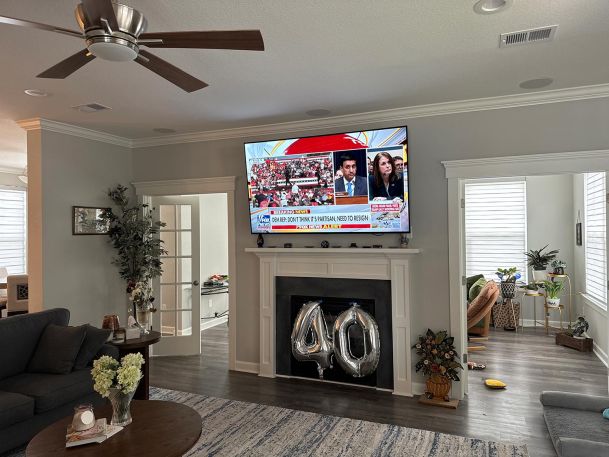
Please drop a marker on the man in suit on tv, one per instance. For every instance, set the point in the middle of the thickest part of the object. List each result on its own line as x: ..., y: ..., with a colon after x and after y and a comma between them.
x: 351, y: 183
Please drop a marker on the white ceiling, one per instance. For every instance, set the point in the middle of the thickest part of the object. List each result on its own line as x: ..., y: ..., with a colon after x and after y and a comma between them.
x: 348, y: 56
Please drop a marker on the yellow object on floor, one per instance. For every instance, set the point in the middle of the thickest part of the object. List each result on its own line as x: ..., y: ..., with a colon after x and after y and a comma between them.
x: 495, y: 384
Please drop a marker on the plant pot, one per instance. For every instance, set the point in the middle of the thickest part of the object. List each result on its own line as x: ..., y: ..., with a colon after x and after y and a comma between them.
x: 508, y: 289
x: 559, y: 271
x: 438, y: 386
x: 121, y: 406
x: 539, y: 275
x: 553, y: 302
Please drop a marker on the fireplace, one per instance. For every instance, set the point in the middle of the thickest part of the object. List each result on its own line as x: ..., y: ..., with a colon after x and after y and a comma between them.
x: 340, y: 266
x: 336, y: 295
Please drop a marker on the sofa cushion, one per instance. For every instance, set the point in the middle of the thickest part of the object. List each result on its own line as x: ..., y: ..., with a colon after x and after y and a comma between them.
x: 21, y: 334
x: 475, y: 289
x: 50, y: 390
x: 14, y: 408
x: 94, y: 340
x: 57, y: 349
x: 573, y: 423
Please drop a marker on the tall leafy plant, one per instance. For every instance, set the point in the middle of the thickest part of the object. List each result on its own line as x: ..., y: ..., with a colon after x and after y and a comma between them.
x: 132, y: 232
x: 538, y: 260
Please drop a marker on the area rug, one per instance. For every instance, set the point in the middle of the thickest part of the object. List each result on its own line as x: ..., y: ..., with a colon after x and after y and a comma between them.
x: 235, y: 428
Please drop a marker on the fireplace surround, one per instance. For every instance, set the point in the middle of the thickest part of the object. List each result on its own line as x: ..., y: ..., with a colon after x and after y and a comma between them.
x: 391, y: 265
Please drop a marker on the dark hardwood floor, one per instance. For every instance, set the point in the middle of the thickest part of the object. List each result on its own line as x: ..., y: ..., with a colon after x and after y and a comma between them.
x: 528, y: 362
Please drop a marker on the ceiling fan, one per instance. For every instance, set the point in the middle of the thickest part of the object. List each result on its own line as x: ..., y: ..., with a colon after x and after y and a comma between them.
x: 117, y: 32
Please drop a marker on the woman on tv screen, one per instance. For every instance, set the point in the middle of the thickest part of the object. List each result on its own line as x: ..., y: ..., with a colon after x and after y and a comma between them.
x: 384, y: 183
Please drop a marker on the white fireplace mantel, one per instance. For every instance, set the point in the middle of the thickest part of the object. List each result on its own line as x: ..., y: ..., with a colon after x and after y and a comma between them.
x: 349, y: 263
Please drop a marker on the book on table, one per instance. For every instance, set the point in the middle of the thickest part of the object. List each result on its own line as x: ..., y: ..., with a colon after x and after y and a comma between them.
x: 100, y: 432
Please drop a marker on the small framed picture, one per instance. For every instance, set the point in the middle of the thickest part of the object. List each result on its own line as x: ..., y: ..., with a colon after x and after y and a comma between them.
x: 87, y: 220
x: 578, y: 234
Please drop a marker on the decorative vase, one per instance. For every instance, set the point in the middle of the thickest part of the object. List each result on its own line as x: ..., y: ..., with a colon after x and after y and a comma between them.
x: 121, y: 403
x: 438, y: 386
x: 144, y: 320
x: 508, y: 289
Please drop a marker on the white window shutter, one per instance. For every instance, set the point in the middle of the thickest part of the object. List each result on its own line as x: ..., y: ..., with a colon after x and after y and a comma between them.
x: 13, y: 230
x: 595, y: 229
x: 495, y: 227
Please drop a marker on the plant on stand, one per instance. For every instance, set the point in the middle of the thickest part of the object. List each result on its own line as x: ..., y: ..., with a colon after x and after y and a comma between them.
x: 132, y: 232
x: 118, y: 382
x: 508, y: 277
x: 538, y: 261
x: 553, y: 290
x: 558, y: 266
x: 438, y: 359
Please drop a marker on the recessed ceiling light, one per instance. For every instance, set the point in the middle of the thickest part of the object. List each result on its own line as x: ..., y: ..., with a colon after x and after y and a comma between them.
x: 537, y: 83
x: 318, y: 112
x: 491, y: 6
x: 36, y: 93
x: 163, y: 130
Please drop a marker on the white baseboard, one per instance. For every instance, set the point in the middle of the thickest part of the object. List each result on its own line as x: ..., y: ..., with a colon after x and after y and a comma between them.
x: 247, y: 367
x: 555, y: 324
x: 209, y: 323
x: 602, y: 355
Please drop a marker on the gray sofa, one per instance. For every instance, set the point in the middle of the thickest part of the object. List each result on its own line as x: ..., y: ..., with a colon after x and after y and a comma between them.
x: 29, y: 401
x: 576, y: 424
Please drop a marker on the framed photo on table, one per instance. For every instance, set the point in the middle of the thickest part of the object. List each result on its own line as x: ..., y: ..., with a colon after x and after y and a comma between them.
x: 87, y: 220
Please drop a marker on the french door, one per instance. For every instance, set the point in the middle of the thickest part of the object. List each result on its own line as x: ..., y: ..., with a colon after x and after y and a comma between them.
x: 178, y: 288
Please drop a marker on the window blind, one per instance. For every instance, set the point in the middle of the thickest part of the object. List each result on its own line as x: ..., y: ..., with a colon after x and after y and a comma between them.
x: 495, y: 227
x: 13, y: 230
x: 595, y: 230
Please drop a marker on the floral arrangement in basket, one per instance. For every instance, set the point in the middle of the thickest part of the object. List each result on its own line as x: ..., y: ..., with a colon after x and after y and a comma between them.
x: 109, y: 374
x: 437, y: 355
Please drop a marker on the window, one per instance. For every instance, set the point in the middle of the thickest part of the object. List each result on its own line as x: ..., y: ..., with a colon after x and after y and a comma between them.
x: 495, y: 227
x: 594, y: 236
x: 13, y: 230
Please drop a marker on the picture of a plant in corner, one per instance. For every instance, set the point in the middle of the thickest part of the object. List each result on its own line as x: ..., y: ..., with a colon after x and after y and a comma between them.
x: 553, y: 290
x: 133, y: 233
x: 538, y: 260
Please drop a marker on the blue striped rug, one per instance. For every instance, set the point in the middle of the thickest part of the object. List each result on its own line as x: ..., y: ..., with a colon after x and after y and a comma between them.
x: 235, y: 428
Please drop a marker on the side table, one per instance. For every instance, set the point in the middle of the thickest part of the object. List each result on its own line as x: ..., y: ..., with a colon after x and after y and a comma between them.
x: 140, y: 345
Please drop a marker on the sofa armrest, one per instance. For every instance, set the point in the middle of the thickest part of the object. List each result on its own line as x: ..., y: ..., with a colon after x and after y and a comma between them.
x: 574, y: 447
x: 107, y: 349
x: 574, y: 401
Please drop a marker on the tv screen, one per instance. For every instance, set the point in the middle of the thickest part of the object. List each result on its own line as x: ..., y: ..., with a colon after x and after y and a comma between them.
x: 342, y: 183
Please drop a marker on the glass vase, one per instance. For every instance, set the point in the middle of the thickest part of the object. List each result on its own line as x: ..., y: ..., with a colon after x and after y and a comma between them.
x: 121, y: 406
x: 143, y: 318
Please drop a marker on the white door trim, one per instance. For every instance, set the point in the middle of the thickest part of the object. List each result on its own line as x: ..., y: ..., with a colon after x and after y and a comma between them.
x: 196, y: 186
x: 456, y: 171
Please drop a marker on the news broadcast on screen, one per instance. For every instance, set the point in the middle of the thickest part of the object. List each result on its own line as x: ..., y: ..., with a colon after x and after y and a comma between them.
x: 341, y: 183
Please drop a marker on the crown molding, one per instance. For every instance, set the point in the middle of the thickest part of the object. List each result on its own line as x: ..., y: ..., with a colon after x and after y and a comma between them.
x: 73, y: 130
x: 186, y: 186
x: 390, y: 116
x: 528, y: 165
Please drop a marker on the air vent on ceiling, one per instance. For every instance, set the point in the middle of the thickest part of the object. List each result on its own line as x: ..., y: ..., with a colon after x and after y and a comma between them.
x: 527, y: 36
x: 91, y: 108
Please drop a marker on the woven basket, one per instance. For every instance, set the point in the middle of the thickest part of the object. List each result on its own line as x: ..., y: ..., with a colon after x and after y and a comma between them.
x: 438, y: 386
x: 508, y: 289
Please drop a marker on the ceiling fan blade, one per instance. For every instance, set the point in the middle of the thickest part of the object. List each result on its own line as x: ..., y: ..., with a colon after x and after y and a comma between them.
x: 95, y: 10
x: 68, y: 66
x: 248, y: 40
x: 170, y: 72
x: 38, y: 25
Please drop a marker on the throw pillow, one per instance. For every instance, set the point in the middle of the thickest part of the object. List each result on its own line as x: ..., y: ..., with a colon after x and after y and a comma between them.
x: 57, y: 349
x: 94, y: 340
x: 475, y: 289
x: 606, y: 413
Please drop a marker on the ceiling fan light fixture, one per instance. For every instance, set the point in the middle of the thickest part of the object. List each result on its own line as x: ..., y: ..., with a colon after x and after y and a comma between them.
x: 113, y: 51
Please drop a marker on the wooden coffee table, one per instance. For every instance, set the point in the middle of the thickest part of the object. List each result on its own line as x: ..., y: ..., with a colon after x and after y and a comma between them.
x: 159, y: 428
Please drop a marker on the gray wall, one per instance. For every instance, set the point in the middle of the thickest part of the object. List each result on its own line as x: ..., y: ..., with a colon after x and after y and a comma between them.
x: 550, y: 221
x: 77, y: 270
x: 559, y: 127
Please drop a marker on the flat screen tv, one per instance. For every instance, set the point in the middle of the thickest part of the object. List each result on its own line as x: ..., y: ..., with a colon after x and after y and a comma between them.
x: 355, y: 182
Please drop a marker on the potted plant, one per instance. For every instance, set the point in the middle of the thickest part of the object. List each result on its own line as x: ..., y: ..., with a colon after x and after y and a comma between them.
x: 132, y: 232
x: 531, y: 289
x: 508, y: 277
x: 580, y: 327
x: 438, y: 359
x: 538, y: 261
x: 553, y: 290
x: 118, y: 382
x: 558, y: 266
